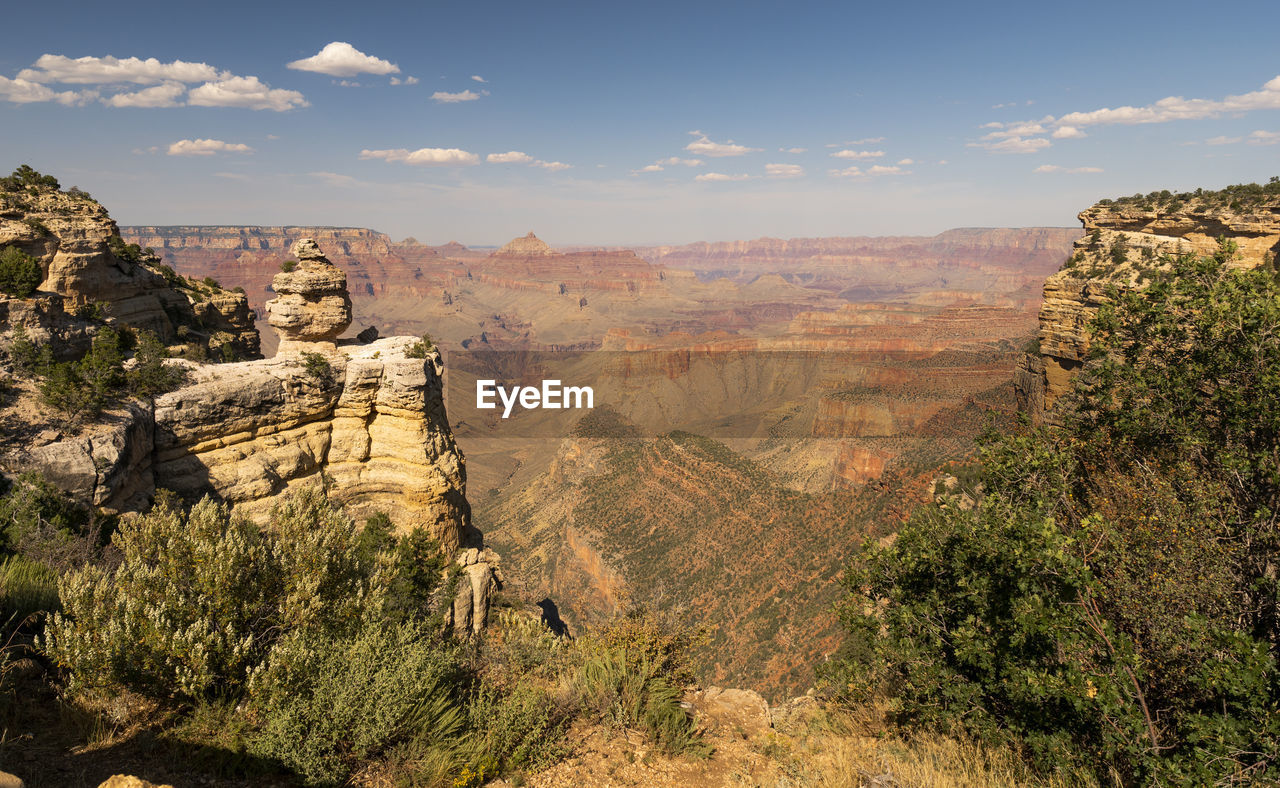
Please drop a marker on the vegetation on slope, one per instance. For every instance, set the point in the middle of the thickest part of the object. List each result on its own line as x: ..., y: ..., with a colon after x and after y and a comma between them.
x: 1111, y: 602
x: 1240, y: 196
x: 313, y: 647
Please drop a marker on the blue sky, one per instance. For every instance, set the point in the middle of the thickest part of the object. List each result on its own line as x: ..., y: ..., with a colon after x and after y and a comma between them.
x: 603, y: 123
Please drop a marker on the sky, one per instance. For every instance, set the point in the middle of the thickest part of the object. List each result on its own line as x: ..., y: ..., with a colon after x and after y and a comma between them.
x: 637, y: 123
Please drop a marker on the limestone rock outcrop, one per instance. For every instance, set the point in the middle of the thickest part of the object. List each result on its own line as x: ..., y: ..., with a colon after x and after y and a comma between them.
x: 313, y: 307
x: 89, y: 267
x: 1123, y: 244
x: 371, y: 428
x: 366, y: 421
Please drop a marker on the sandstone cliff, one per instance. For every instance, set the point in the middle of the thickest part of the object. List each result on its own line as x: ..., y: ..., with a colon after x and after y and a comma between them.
x: 366, y: 421
x: 1123, y: 246
x: 89, y: 269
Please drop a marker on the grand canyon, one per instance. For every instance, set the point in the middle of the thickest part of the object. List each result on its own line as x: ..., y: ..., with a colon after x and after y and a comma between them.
x: 866, y: 366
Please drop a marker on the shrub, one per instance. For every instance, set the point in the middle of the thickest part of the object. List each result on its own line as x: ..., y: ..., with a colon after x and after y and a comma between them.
x: 20, y: 273
x: 1110, y: 601
x: 623, y: 689
x: 187, y: 613
x: 288, y: 265
x: 30, y: 503
x: 420, y: 348
x: 150, y: 376
x: 130, y: 253
x: 328, y: 703
x: 318, y: 367
x: 25, y: 177
x: 200, y: 597
x: 521, y: 729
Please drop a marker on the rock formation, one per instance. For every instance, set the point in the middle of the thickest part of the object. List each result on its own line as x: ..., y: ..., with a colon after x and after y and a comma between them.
x: 87, y: 266
x: 313, y: 307
x: 526, y: 246
x: 364, y: 420
x: 1122, y: 246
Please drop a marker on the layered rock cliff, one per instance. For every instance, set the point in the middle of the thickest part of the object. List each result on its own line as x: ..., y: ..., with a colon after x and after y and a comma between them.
x: 366, y: 421
x: 89, y: 269
x: 1124, y: 244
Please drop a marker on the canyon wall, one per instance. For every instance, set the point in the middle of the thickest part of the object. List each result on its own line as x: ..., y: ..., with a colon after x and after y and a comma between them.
x: 1123, y: 245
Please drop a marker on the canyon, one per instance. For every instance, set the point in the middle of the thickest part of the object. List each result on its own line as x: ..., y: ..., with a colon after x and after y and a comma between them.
x: 794, y: 396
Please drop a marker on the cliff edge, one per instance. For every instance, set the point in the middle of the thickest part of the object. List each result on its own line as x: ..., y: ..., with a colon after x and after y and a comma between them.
x: 1124, y: 245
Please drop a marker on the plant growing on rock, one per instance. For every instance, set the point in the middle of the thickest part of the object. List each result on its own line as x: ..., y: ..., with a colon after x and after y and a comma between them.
x: 420, y: 348
x: 20, y: 273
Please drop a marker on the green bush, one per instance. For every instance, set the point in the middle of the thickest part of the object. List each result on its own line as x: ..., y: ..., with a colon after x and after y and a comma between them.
x: 420, y: 348
x: 130, y: 253
x: 20, y: 273
x: 30, y: 504
x: 330, y: 703
x: 200, y: 597
x: 520, y: 729
x: 318, y: 367
x: 27, y: 588
x: 1110, y: 602
x: 25, y: 177
x: 619, y: 689
x: 288, y: 265
x: 150, y: 376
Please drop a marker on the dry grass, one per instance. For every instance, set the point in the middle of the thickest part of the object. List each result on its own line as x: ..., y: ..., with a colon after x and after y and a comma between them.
x: 834, y: 748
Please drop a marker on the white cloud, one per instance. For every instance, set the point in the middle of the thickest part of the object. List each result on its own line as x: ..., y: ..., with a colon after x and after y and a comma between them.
x: 519, y: 157
x: 113, y: 70
x: 857, y: 154
x: 1015, y: 130
x: 847, y: 172
x: 443, y: 97
x: 478, y: 78
x: 793, y: 150
x: 677, y: 161
x: 648, y: 168
x: 1071, y: 170
x: 247, y: 92
x: 784, y: 170
x: 1013, y: 145
x: 1067, y: 133
x: 1264, y: 137
x: 1223, y: 140
x: 907, y: 162
x: 510, y: 157
x: 405, y: 81
x: 340, y: 59
x: 273, y: 137
x: 882, y: 170
x: 715, y: 150
x: 995, y: 124
x: 23, y: 91
x: 719, y: 176
x: 166, y: 95
x: 863, y: 141
x: 429, y: 157
x: 1178, y: 108
x: 202, y: 147
x: 346, y: 83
